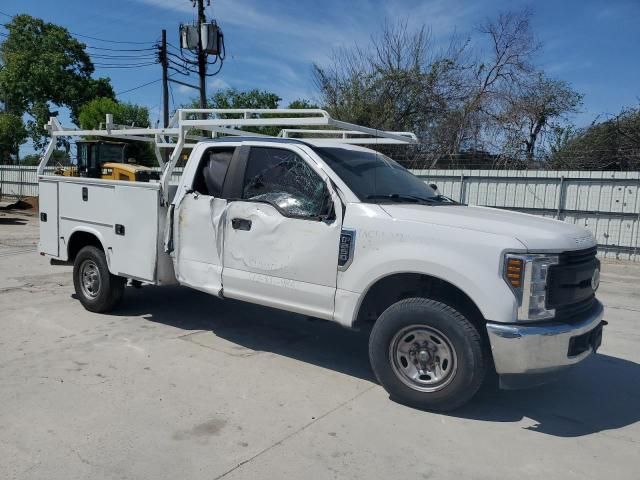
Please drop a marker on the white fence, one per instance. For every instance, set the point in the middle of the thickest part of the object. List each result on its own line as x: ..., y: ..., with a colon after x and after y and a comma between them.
x: 607, y: 203
x: 21, y: 181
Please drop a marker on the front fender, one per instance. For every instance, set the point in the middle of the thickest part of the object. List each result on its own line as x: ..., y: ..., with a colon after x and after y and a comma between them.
x: 469, y: 261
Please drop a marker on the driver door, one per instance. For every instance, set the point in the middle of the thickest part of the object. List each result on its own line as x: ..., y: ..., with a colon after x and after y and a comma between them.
x: 281, y: 237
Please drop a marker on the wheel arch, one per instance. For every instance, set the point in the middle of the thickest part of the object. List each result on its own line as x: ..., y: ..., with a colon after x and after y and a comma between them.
x: 389, y: 289
x: 82, y: 237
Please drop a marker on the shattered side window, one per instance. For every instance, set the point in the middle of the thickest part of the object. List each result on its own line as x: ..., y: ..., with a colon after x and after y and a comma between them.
x: 283, y: 179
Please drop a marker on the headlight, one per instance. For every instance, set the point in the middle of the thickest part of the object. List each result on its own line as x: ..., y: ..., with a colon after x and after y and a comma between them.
x: 527, y: 276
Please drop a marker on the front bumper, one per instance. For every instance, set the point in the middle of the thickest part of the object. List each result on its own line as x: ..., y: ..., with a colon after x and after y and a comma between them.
x: 538, y: 350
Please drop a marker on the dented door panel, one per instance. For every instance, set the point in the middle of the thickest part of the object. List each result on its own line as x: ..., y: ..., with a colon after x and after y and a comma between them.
x: 199, y: 231
x: 280, y: 261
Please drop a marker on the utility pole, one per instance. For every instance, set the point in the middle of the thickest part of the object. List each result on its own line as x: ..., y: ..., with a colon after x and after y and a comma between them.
x: 199, y: 44
x: 202, y: 57
x: 165, y: 79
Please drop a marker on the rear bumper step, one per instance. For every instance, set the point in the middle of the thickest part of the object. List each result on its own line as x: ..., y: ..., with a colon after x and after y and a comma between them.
x: 60, y: 263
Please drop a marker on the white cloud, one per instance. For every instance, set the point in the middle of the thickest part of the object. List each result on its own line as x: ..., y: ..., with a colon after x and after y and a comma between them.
x: 185, y: 89
x: 218, y: 84
x: 295, y: 33
x: 235, y: 12
x: 278, y: 42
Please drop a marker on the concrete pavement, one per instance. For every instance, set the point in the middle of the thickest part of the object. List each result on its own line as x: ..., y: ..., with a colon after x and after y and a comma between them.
x: 178, y: 384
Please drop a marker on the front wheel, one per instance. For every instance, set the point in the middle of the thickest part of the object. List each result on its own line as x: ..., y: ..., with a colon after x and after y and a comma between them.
x: 97, y: 289
x: 427, y: 355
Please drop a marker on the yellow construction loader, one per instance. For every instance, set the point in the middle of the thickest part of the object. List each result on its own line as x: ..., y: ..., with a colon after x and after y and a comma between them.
x: 107, y: 161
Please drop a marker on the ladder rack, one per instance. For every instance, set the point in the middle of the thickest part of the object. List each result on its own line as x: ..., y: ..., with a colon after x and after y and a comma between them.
x: 176, y: 136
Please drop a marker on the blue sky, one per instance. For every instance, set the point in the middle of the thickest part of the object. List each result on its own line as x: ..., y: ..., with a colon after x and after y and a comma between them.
x: 271, y: 45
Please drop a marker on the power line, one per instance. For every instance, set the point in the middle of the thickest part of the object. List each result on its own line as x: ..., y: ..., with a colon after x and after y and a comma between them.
x: 173, y: 103
x: 123, y: 65
x: 93, y: 38
x: 122, y: 49
x: 110, y: 41
x: 138, y: 87
x: 124, y: 57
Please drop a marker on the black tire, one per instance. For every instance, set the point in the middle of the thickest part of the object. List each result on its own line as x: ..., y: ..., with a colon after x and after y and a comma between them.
x: 444, y: 330
x: 110, y: 288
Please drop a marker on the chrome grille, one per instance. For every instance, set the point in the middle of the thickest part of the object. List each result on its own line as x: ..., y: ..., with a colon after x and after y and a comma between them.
x: 569, y: 288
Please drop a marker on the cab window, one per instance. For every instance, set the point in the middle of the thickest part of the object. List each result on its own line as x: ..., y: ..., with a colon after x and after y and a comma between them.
x: 212, y: 171
x: 283, y: 179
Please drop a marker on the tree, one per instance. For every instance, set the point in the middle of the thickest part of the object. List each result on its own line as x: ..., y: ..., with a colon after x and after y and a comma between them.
x: 612, y: 144
x: 232, y: 98
x: 480, y: 98
x: 509, y: 62
x: 58, y: 156
x: 45, y: 67
x: 532, y: 108
x: 398, y: 82
x: 302, y: 103
x: 94, y: 113
x: 12, y: 134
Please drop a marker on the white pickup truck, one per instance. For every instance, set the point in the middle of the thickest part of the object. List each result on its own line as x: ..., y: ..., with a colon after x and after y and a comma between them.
x: 337, y: 231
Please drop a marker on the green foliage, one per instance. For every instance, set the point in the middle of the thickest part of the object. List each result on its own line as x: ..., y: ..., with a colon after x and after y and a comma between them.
x: 94, y: 113
x: 45, y: 67
x: 12, y: 134
x: 302, y: 103
x: 613, y: 144
x: 560, y: 136
x: 126, y: 114
x: 530, y: 113
x: 58, y: 156
x: 234, y: 98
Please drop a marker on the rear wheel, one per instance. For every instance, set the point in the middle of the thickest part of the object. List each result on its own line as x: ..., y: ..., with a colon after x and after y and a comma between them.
x: 426, y: 354
x: 97, y: 289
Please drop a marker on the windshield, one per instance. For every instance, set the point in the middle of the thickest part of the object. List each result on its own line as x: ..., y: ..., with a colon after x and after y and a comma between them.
x: 374, y: 177
x: 111, y: 153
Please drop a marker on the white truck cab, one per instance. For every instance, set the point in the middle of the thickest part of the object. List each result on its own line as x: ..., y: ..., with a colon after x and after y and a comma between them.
x: 337, y: 231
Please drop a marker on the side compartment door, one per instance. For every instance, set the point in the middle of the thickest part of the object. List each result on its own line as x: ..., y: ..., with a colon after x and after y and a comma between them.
x: 198, y: 224
x: 281, y: 238
x: 49, y: 231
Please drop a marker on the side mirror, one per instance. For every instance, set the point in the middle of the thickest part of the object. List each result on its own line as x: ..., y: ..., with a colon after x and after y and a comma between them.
x: 434, y: 186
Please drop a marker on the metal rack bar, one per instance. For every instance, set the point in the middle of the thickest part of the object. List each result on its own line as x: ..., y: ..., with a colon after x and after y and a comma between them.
x: 185, y: 120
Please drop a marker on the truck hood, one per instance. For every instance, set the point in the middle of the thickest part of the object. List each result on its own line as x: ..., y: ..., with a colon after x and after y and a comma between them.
x: 535, y: 233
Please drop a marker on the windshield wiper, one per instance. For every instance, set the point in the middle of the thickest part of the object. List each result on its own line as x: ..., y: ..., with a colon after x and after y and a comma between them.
x: 397, y: 197
x: 445, y: 199
x: 401, y: 197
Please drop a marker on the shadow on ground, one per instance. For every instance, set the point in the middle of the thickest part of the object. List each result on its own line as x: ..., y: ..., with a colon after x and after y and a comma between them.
x: 602, y: 393
x: 254, y: 327
x: 12, y: 221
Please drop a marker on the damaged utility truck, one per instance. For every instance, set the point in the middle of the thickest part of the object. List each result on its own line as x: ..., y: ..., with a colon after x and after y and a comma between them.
x: 314, y: 222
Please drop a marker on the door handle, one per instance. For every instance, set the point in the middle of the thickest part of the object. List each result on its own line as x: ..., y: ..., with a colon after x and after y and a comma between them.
x: 241, y: 224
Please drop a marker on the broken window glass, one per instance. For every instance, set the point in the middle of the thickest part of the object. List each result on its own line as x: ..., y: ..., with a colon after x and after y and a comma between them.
x: 283, y: 179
